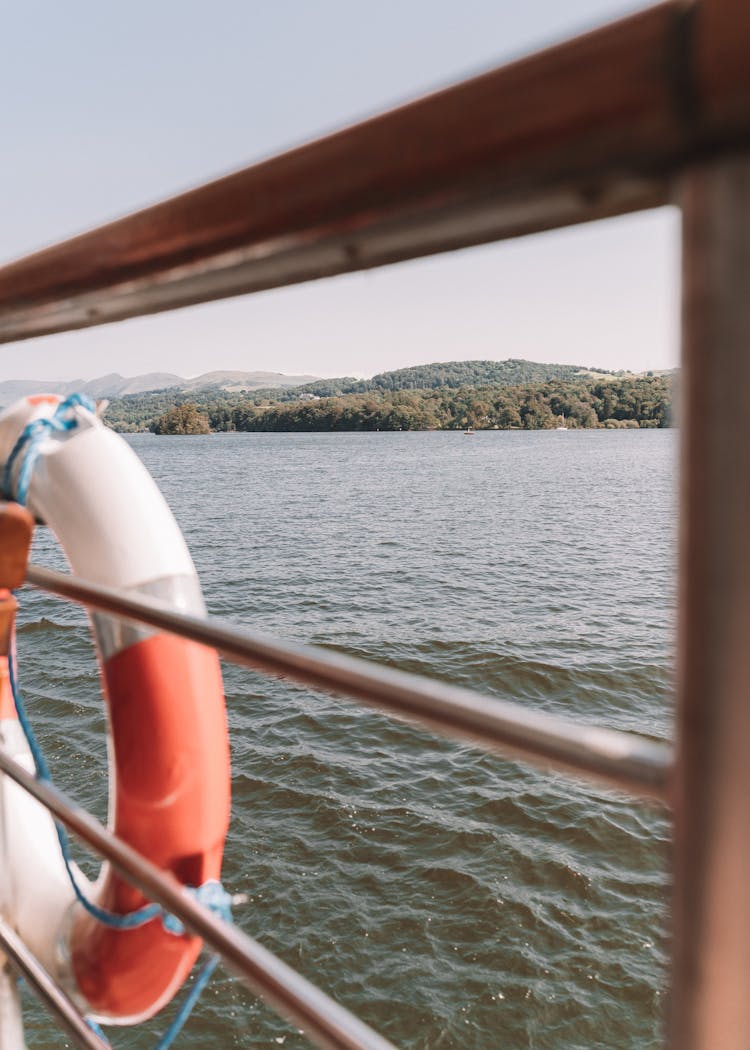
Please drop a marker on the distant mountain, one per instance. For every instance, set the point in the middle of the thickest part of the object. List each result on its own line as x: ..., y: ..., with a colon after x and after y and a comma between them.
x: 115, y: 385
x: 13, y: 389
x: 245, y: 381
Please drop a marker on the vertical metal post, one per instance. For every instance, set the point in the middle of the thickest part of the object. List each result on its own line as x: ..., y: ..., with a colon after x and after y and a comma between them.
x: 710, y: 1005
x: 11, y: 1022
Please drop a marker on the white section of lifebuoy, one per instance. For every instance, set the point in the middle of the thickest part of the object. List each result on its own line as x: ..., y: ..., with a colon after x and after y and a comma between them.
x: 91, y: 473
x: 36, y: 890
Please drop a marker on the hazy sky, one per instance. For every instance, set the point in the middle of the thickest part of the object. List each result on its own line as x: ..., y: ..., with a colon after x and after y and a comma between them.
x: 110, y: 107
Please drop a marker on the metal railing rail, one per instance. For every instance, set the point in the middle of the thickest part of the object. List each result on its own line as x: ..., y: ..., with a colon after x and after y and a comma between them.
x: 633, y: 763
x: 325, y: 1022
x: 47, y: 990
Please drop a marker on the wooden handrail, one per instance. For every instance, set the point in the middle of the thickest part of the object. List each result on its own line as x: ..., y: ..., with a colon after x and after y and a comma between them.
x: 592, y: 127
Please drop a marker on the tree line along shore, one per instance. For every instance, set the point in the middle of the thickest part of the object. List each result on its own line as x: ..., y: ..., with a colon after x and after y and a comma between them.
x: 612, y: 401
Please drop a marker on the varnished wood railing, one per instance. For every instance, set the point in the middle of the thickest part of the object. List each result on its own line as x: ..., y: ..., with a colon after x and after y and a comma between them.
x: 593, y: 127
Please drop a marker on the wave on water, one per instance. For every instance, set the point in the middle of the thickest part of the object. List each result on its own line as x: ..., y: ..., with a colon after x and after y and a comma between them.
x: 45, y: 625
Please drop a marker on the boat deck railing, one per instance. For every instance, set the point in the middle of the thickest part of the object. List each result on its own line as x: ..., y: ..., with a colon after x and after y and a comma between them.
x: 647, y: 111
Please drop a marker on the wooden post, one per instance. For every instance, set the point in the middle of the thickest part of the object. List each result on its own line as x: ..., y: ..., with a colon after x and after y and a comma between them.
x: 710, y: 1003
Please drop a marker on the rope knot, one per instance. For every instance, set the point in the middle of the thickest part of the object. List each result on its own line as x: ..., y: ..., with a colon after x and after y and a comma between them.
x: 212, y: 896
x: 27, y: 448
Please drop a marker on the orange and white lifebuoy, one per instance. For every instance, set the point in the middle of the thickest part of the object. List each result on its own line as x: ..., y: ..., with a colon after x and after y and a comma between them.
x: 169, y: 790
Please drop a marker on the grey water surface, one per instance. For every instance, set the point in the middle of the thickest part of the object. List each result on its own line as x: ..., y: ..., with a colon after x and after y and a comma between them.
x: 451, y: 898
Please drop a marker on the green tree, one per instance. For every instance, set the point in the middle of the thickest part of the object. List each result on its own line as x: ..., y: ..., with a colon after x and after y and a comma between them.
x: 182, y: 419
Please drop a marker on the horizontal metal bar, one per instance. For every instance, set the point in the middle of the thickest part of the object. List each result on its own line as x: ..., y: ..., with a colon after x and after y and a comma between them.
x: 593, y: 127
x: 48, y: 991
x: 323, y: 1021
x: 623, y: 760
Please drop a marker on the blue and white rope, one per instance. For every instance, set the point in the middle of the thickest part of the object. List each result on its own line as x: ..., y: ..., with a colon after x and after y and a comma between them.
x: 29, y: 444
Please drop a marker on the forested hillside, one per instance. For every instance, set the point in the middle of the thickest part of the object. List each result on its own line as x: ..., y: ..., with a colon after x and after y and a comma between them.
x: 642, y: 401
x: 613, y: 401
x: 138, y: 412
x: 452, y: 375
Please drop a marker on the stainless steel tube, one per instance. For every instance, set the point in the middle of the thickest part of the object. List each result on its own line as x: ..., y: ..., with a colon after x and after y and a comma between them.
x: 623, y: 760
x: 50, y: 993
x: 323, y: 1021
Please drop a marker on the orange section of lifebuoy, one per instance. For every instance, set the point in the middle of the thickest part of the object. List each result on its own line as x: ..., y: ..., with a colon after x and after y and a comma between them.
x: 7, y: 704
x: 171, y: 781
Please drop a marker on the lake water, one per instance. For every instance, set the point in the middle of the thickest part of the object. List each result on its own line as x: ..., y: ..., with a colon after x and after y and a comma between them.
x: 451, y: 898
